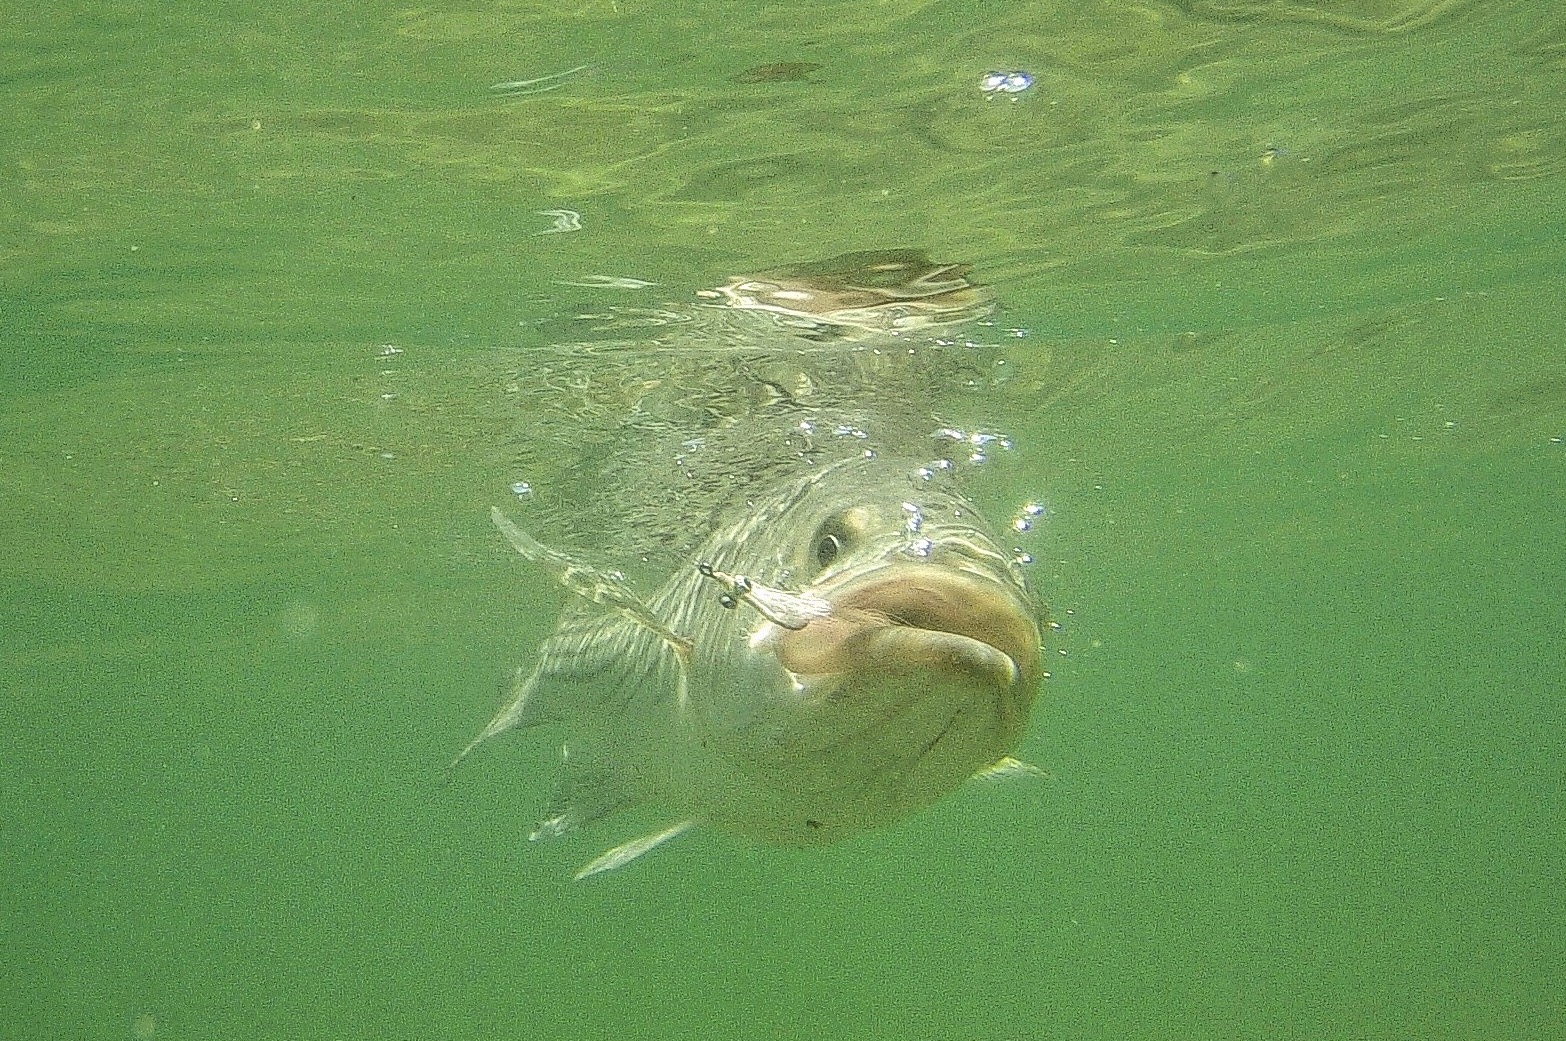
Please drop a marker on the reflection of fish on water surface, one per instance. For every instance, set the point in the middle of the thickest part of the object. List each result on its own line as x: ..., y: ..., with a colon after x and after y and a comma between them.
x: 842, y: 640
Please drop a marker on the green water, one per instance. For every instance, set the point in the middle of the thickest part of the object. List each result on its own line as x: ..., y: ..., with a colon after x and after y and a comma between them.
x: 1294, y: 391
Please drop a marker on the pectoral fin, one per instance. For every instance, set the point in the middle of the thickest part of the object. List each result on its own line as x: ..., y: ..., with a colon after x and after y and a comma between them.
x: 594, y: 584
x: 1009, y: 768
x: 626, y: 852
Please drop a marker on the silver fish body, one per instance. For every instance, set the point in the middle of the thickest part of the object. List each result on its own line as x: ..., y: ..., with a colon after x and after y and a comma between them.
x: 845, y: 645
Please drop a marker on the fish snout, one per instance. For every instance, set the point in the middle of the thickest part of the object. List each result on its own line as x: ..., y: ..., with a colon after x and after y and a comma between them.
x: 921, y: 619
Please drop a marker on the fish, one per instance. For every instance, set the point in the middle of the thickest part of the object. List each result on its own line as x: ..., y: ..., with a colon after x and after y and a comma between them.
x: 839, y: 638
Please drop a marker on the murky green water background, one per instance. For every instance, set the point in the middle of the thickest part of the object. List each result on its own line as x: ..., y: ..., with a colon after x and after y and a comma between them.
x: 1294, y: 393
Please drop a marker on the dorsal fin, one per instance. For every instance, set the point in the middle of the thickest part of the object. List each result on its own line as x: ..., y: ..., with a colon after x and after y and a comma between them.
x: 590, y: 787
x: 513, y: 714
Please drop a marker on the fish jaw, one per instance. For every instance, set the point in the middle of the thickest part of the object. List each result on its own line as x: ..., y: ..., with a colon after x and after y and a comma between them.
x: 920, y: 677
x: 917, y: 618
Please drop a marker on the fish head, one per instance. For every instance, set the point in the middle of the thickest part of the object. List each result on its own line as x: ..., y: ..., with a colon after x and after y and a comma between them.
x: 891, y: 651
x: 856, y: 294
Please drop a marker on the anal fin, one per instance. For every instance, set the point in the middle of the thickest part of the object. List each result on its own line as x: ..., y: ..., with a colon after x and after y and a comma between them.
x: 626, y: 852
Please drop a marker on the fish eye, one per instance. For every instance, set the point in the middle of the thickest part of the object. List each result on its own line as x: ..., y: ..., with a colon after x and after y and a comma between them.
x: 840, y: 533
x: 834, y: 536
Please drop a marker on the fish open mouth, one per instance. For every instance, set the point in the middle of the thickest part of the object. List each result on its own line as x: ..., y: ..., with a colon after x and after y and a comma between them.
x: 920, y: 619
